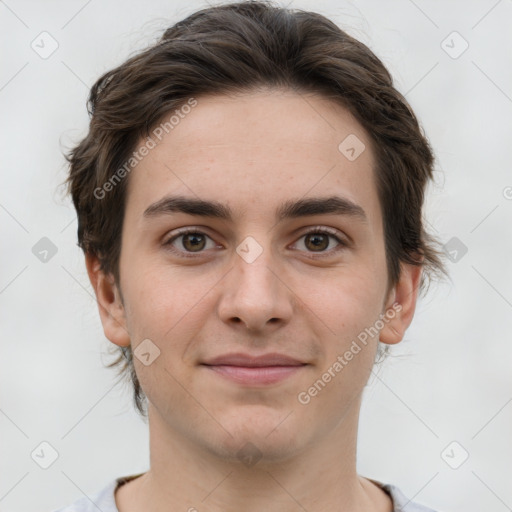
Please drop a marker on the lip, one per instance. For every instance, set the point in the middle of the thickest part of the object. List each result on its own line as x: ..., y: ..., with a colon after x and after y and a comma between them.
x: 254, y: 370
x: 246, y: 360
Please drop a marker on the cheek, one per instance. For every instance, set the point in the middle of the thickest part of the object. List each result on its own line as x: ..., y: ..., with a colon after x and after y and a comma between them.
x: 350, y: 344
x: 151, y: 301
x: 169, y: 306
x: 349, y: 302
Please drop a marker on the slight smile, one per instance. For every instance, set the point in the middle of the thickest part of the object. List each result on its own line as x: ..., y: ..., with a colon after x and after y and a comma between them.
x: 255, y: 371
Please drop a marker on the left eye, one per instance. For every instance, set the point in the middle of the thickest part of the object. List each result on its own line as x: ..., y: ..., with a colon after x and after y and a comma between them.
x: 194, y: 242
x: 318, y: 241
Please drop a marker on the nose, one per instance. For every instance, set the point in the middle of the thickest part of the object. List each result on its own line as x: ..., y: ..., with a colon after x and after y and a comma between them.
x: 255, y: 295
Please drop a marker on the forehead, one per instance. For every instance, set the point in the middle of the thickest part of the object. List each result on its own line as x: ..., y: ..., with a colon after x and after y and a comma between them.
x: 260, y: 148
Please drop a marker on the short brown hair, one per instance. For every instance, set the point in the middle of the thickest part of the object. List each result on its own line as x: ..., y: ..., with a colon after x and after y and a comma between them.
x: 239, y: 47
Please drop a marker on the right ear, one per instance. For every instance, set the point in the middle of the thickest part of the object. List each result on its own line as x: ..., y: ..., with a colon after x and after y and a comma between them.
x: 110, y: 306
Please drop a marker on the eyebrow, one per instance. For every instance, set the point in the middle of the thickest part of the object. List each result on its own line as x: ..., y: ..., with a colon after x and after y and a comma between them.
x: 290, y: 209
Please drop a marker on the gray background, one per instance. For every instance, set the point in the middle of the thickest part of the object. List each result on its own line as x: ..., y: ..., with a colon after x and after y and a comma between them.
x: 450, y: 379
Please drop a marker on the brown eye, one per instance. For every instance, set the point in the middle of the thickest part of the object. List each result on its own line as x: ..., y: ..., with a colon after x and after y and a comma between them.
x: 317, y: 241
x: 193, y: 242
x: 188, y: 243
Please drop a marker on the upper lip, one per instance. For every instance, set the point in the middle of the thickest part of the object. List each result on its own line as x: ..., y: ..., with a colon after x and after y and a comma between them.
x: 246, y: 360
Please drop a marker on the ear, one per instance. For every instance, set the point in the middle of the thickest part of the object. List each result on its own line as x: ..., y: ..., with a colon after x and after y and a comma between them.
x: 401, y: 304
x: 110, y: 305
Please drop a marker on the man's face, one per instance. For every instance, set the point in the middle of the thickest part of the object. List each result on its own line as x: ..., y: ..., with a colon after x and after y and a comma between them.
x: 254, y: 284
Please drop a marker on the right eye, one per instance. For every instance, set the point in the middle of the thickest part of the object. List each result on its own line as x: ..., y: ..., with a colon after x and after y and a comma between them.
x: 192, y: 242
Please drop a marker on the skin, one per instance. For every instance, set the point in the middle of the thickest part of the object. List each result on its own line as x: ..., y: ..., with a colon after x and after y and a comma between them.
x: 252, y: 152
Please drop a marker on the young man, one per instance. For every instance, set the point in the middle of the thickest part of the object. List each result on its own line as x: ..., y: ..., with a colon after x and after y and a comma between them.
x: 249, y: 201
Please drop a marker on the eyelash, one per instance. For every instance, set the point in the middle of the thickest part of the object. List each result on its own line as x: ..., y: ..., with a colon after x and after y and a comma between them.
x: 317, y: 230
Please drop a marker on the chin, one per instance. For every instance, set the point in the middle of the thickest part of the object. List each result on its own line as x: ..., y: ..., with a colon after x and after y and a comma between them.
x: 259, y: 433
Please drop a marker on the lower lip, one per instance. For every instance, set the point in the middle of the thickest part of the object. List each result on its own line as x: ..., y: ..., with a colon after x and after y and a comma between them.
x: 256, y: 375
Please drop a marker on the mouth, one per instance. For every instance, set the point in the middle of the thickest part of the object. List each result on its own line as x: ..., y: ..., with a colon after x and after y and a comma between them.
x: 254, y: 371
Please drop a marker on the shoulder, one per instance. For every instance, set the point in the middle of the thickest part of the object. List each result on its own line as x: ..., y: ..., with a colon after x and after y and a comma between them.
x: 103, y: 500
x: 400, y: 502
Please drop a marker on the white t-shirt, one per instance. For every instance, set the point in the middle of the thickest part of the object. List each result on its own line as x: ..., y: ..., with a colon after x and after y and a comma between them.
x: 105, y: 499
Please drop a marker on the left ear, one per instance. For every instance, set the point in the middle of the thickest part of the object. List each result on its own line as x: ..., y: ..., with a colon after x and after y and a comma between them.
x: 402, y: 300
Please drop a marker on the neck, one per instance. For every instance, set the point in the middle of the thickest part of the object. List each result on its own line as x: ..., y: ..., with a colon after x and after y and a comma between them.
x: 190, y: 477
